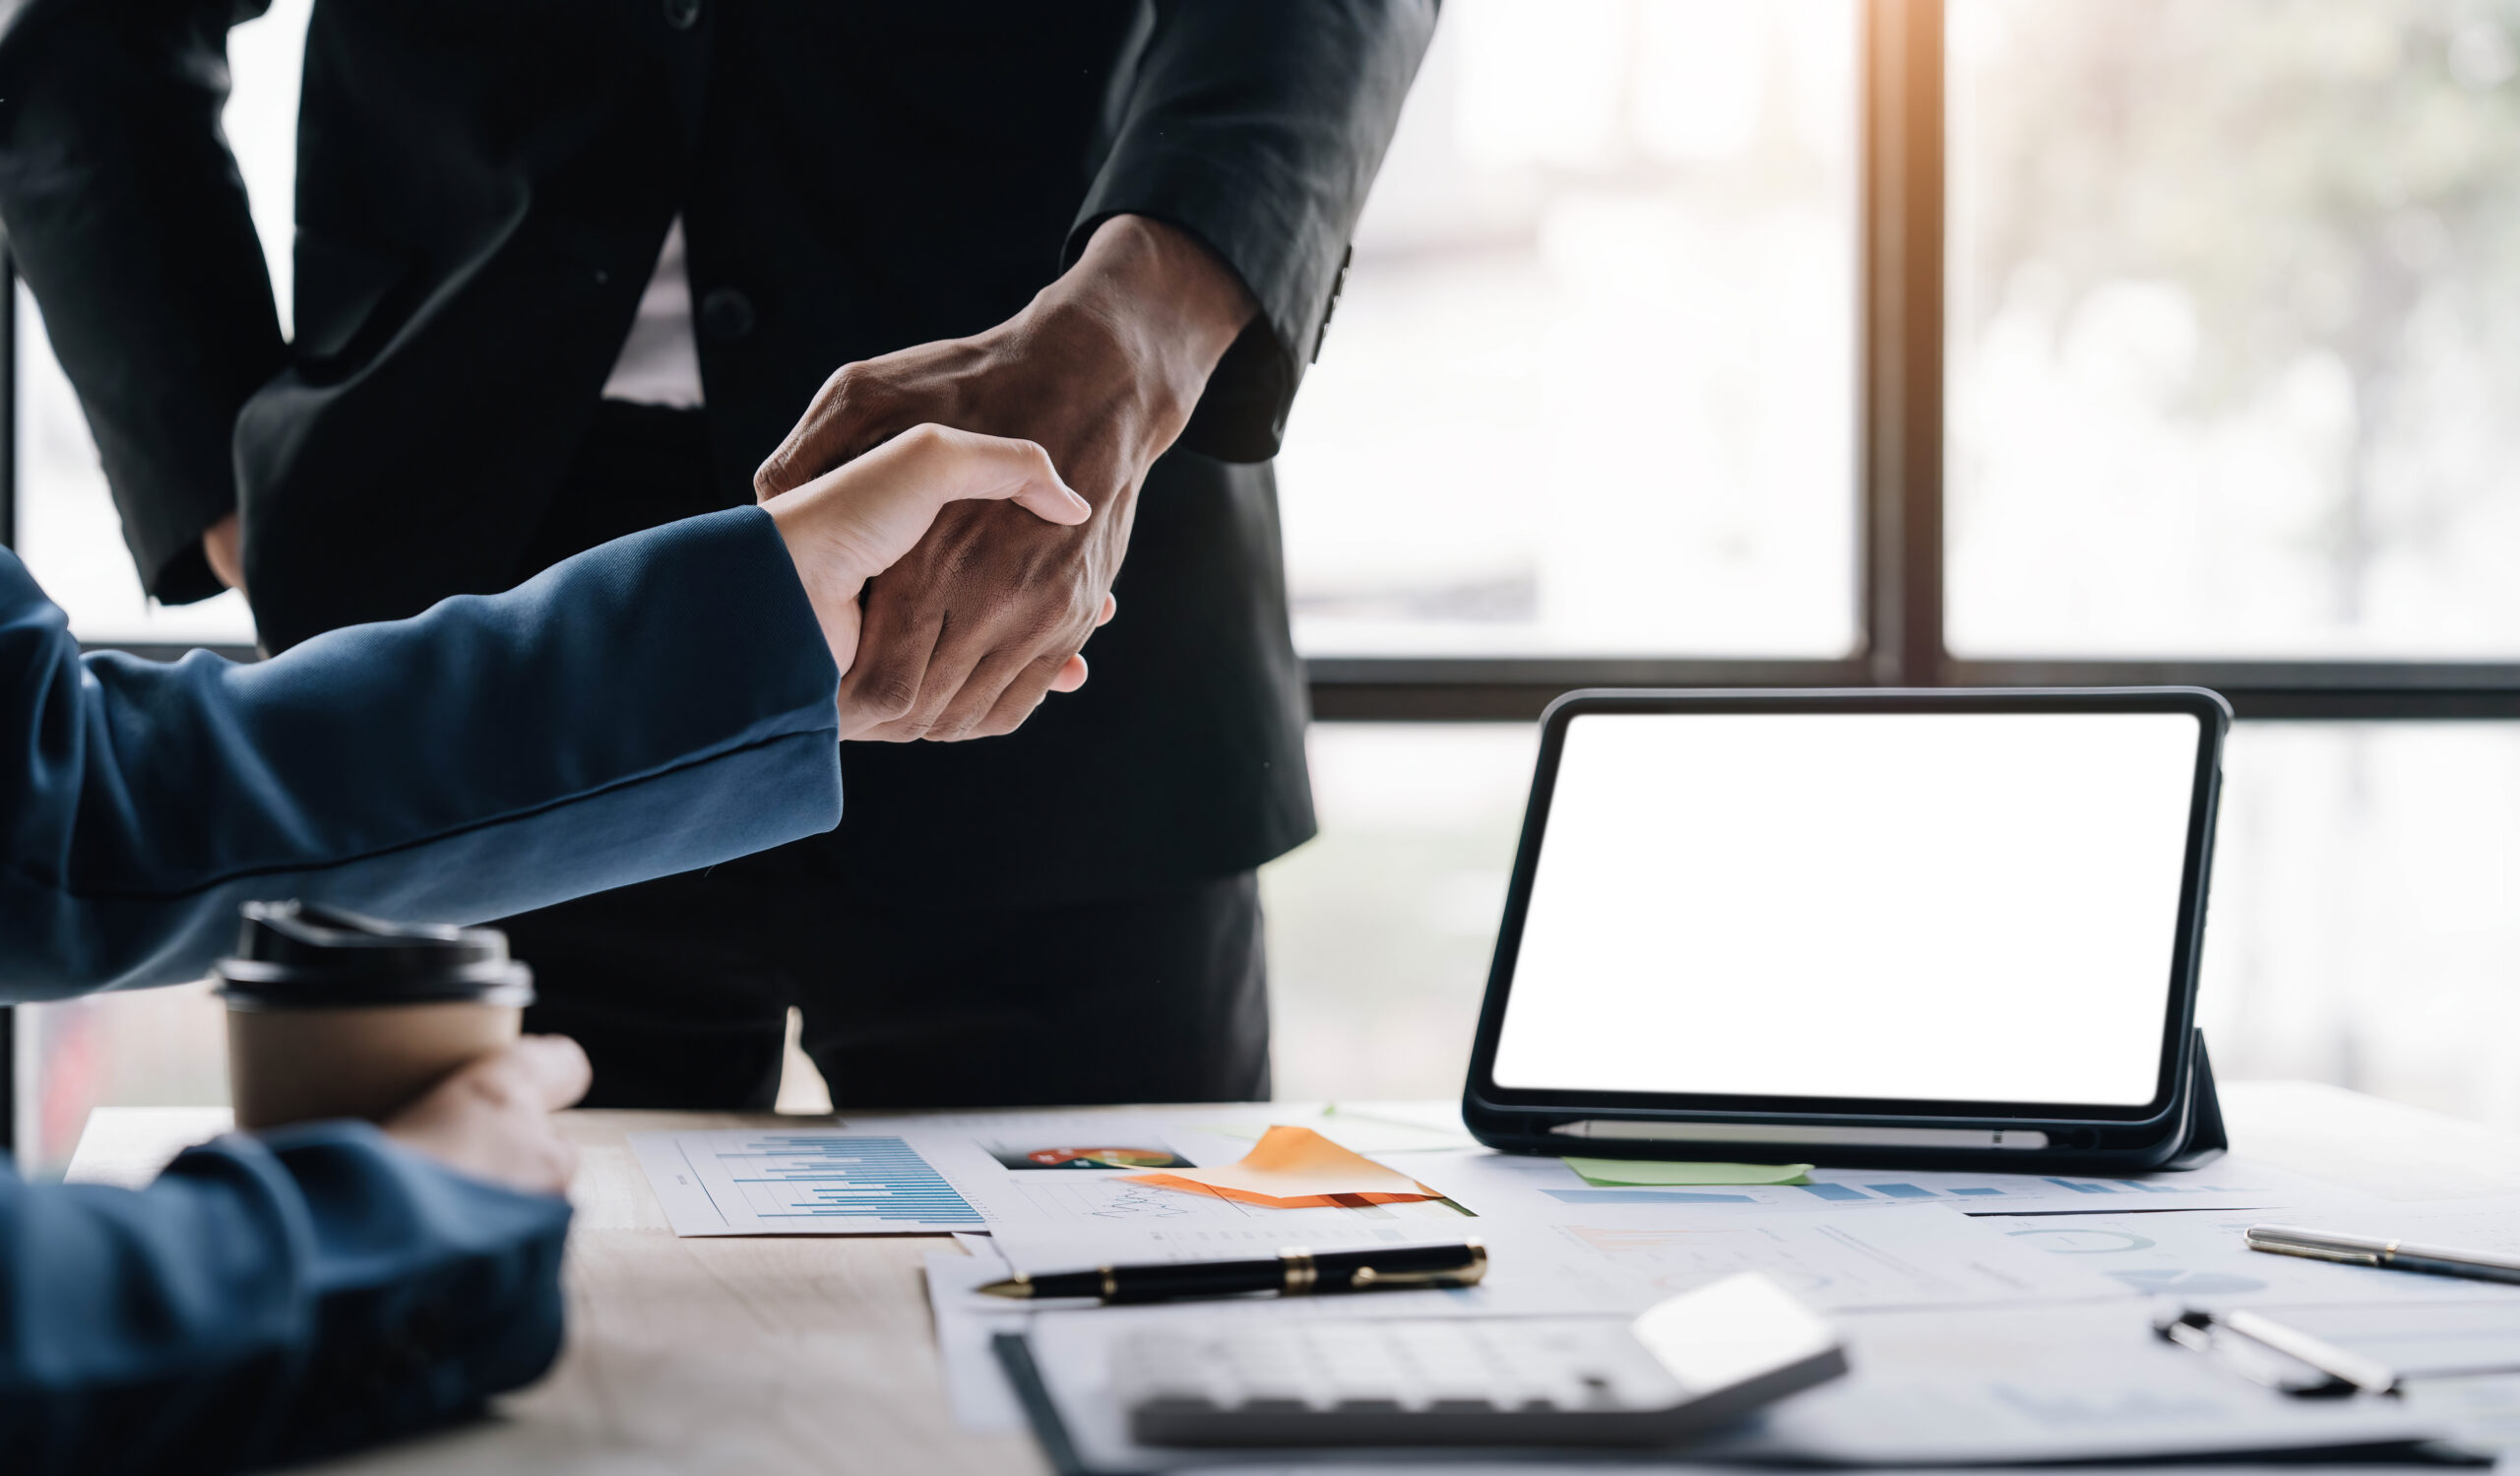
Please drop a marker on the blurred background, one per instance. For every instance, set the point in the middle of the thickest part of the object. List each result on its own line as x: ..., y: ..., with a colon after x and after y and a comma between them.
x: 2230, y: 306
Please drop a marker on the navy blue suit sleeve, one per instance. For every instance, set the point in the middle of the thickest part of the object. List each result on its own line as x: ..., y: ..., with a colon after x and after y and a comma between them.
x: 266, y: 1300
x: 659, y: 704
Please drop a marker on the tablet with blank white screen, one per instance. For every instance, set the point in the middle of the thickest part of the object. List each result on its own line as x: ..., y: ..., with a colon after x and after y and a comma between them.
x: 1858, y: 904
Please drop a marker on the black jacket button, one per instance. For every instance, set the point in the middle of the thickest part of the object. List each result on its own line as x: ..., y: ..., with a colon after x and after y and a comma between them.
x: 725, y: 314
x: 683, y: 15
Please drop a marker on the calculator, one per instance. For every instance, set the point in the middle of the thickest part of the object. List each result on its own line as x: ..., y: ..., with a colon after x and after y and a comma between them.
x: 1687, y: 1365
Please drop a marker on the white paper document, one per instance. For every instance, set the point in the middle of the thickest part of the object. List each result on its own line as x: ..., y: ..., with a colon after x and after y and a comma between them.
x: 993, y: 1170
x: 1072, y: 1170
x: 1921, y: 1255
x: 2201, y: 1260
x: 1837, y: 1261
x: 1526, y: 1187
x: 965, y: 1320
x: 798, y: 1183
x: 2489, y: 1225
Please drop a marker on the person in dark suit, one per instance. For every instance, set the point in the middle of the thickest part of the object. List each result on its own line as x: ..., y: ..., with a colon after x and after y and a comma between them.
x: 666, y: 701
x: 570, y: 268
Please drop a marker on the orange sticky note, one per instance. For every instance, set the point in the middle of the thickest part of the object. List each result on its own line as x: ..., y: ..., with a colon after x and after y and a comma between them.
x: 1296, y: 1168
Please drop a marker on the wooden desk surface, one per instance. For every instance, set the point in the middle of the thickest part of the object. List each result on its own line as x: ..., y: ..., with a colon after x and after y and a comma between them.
x: 726, y: 1356
x: 814, y: 1354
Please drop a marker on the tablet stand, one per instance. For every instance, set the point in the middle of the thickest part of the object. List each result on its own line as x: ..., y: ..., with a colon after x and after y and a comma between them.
x: 2206, y: 1139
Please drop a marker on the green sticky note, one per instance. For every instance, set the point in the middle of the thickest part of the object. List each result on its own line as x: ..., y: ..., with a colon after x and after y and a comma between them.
x: 1615, y: 1173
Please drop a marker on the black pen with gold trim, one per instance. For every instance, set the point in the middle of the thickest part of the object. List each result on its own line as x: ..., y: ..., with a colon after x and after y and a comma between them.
x: 1292, y: 1272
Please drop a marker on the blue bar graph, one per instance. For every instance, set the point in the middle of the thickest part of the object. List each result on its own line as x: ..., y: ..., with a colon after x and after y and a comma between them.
x: 1873, y: 1193
x: 1645, y: 1196
x: 819, y: 1176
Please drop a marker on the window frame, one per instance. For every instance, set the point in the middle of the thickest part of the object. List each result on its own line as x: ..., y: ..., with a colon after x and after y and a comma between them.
x: 1900, y: 571
x: 1899, y: 485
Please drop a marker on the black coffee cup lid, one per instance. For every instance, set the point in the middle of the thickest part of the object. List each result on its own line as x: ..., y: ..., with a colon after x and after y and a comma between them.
x: 298, y: 954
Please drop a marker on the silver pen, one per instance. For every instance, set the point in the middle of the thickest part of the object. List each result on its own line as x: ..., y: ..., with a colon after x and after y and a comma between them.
x: 2393, y: 1255
x: 2285, y: 1359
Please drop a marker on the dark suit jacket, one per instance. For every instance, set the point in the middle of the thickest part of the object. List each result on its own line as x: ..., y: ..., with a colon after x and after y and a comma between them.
x: 663, y: 703
x: 482, y: 189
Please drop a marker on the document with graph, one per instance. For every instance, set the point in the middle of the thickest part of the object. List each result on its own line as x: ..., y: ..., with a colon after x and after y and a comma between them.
x: 927, y: 1173
x: 798, y: 1183
x: 1526, y: 1187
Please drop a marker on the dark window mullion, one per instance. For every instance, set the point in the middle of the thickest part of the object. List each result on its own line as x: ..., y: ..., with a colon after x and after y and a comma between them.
x: 1902, y: 294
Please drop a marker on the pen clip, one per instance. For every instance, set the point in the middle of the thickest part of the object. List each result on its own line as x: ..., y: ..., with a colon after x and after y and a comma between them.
x: 2267, y: 1352
x: 1366, y: 1278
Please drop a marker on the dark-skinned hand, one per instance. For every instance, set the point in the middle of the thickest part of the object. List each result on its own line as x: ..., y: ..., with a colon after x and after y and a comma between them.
x: 965, y: 636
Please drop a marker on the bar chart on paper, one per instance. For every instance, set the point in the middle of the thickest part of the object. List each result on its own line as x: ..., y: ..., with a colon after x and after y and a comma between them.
x: 798, y: 1183
x: 2001, y: 1194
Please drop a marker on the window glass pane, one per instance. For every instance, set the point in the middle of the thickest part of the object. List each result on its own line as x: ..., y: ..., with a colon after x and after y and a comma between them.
x: 1590, y: 385
x: 1381, y: 931
x: 145, y: 1048
x: 68, y: 531
x: 2235, y: 327
x: 2362, y: 929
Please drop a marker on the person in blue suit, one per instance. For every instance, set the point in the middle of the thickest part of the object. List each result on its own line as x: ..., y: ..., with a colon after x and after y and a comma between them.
x: 663, y: 702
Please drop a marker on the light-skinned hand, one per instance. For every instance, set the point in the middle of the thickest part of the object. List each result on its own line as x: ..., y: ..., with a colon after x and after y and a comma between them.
x: 965, y: 634
x: 852, y: 523
x: 492, y: 1119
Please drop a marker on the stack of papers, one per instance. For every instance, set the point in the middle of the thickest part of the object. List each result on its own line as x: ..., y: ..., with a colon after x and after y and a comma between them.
x: 1993, y: 1318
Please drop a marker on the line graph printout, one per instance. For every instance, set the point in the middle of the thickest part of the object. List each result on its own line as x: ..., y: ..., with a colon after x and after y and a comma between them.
x: 798, y: 1183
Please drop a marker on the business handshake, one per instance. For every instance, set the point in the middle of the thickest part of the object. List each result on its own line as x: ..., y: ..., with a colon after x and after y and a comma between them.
x: 858, y: 520
x: 980, y: 611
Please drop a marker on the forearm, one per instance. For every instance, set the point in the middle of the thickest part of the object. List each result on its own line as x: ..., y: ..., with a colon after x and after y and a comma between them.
x: 265, y: 1301
x: 1171, y: 306
x: 127, y: 218
x: 1257, y: 130
x: 663, y: 703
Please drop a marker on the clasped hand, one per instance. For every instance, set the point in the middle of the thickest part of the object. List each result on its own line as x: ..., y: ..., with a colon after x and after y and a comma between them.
x: 966, y: 634
x: 851, y: 524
